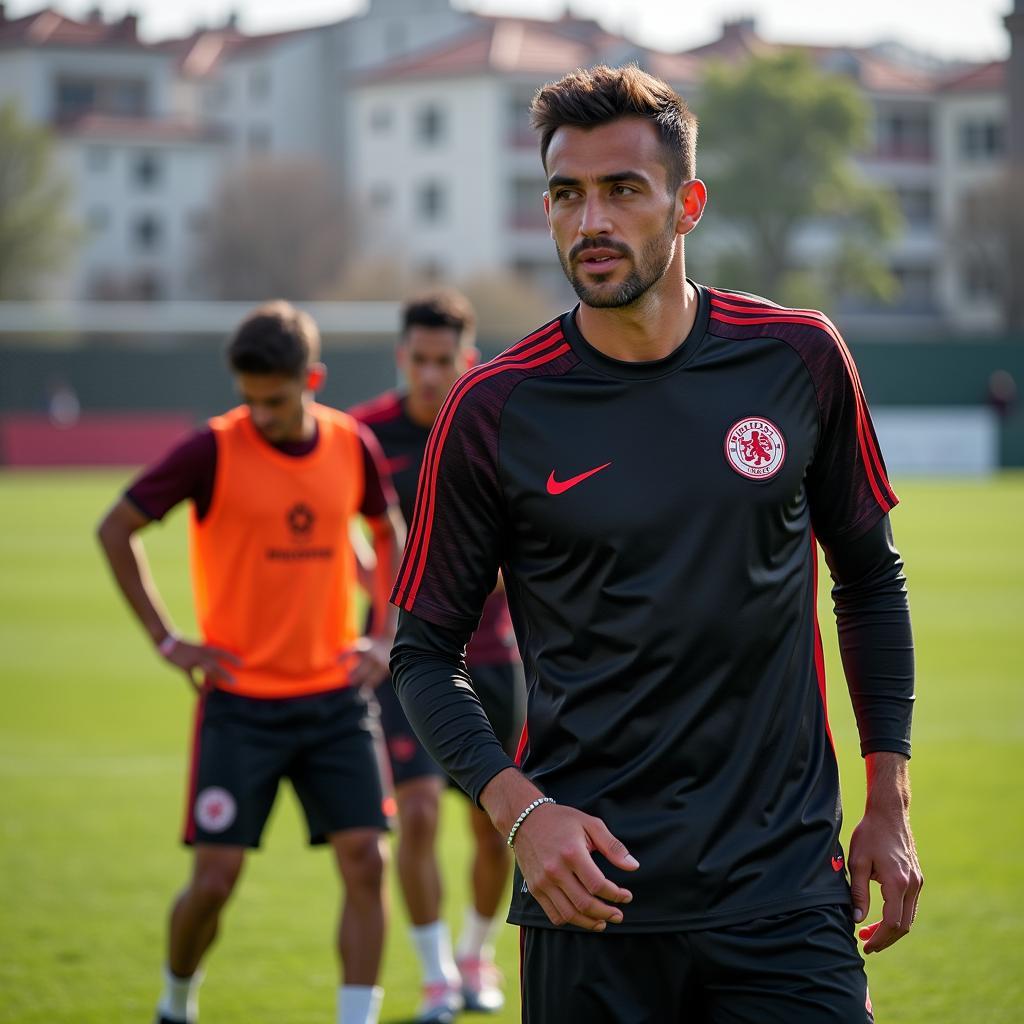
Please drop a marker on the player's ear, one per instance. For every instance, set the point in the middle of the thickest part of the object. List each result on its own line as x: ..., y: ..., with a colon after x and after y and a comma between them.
x: 316, y: 377
x: 693, y: 197
x: 471, y: 354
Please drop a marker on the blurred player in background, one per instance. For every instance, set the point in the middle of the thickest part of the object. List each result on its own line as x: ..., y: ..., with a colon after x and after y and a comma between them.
x: 281, y: 670
x: 435, y: 349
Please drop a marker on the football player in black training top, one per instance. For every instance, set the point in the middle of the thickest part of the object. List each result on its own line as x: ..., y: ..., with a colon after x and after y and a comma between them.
x: 652, y: 472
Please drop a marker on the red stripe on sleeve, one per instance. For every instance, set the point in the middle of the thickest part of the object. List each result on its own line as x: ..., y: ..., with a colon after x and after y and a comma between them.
x: 742, y: 305
x: 429, y: 515
x: 430, y: 454
x: 869, y: 451
x: 428, y: 469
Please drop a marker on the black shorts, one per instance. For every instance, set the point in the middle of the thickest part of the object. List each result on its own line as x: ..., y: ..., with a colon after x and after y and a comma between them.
x: 243, y: 747
x: 502, y: 691
x: 798, y: 968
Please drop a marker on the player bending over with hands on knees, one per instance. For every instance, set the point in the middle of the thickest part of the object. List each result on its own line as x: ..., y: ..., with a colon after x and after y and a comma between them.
x: 652, y: 472
x: 281, y: 671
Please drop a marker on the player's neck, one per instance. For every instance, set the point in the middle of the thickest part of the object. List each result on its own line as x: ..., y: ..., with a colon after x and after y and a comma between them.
x: 651, y: 328
x: 305, y: 428
x: 421, y: 413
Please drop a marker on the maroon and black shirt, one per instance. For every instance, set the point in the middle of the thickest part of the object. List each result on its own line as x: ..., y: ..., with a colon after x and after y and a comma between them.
x: 655, y: 523
x: 403, y: 442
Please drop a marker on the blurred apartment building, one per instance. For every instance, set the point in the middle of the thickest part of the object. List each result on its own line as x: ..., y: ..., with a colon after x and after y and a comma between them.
x: 420, y: 112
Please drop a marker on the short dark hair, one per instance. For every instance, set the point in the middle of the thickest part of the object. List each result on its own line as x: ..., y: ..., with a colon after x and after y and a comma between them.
x: 443, y: 308
x: 590, y: 97
x: 275, y: 338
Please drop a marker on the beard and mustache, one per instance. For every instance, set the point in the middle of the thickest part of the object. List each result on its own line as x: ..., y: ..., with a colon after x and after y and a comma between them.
x: 655, y: 259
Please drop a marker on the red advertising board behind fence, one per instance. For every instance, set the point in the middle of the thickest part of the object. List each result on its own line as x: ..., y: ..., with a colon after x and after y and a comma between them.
x: 103, y: 439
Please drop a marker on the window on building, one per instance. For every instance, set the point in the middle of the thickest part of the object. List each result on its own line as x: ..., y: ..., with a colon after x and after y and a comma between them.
x: 429, y: 124
x: 146, y: 169
x: 917, y: 205
x: 981, y: 280
x: 258, y: 138
x: 528, y: 203
x: 917, y: 293
x: 903, y: 134
x: 76, y: 95
x: 146, y: 232
x: 982, y: 139
x: 259, y: 84
x: 97, y: 158
x: 430, y: 202
x: 148, y: 286
x: 517, y: 117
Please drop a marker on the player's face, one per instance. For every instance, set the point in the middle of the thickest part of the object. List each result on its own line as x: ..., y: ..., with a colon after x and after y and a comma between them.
x: 431, y: 360
x: 613, y: 219
x: 275, y: 403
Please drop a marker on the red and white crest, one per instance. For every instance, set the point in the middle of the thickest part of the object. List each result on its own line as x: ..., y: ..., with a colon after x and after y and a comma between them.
x: 755, y: 447
x: 215, y: 809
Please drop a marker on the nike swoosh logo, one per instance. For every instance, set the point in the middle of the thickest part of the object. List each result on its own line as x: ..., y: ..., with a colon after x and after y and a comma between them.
x: 561, y: 486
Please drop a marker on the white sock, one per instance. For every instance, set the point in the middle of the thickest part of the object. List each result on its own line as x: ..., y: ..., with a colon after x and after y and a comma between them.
x: 359, y: 1004
x: 180, y: 998
x: 477, y: 939
x: 434, y: 946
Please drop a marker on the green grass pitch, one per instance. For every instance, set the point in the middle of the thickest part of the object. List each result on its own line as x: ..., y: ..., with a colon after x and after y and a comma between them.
x: 94, y: 732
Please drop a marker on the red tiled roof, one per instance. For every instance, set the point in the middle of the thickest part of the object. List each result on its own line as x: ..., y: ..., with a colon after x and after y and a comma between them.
x: 497, y: 45
x: 51, y: 28
x: 989, y: 77
x: 138, y: 129
x: 201, y: 53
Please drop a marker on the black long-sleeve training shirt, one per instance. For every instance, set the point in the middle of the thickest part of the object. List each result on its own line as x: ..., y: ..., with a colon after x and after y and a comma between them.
x: 656, y: 526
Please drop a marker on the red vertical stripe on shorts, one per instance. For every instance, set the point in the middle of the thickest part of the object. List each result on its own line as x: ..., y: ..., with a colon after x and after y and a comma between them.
x: 189, y: 828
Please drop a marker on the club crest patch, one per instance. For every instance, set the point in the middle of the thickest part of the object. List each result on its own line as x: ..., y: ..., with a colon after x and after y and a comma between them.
x: 215, y: 809
x: 755, y: 448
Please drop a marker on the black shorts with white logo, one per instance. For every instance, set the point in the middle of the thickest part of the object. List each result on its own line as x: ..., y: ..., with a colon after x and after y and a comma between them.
x: 323, y: 743
x: 502, y: 691
x: 798, y: 968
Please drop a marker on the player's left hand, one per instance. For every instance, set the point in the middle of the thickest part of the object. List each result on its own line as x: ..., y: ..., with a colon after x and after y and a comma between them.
x: 882, y: 850
x: 367, y: 660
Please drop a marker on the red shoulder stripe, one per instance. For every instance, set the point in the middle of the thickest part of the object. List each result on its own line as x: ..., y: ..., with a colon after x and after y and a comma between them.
x: 381, y: 409
x: 869, y: 448
x: 422, y: 561
x: 517, y: 349
x: 527, y: 350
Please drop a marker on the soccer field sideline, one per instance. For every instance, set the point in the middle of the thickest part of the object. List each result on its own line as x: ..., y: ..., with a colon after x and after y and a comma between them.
x: 93, y: 750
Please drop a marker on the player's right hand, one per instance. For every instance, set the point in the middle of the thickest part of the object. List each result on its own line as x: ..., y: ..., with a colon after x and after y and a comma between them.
x: 553, y: 848
x: 202, y: 664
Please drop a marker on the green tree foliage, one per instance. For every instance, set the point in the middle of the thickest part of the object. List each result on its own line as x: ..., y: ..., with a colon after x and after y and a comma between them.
x: 777, y: 141
x: 37, y: 235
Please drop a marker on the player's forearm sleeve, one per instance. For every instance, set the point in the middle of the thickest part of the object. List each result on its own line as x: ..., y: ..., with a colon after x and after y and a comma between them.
x: 429, y: 673
x: 875, y: 637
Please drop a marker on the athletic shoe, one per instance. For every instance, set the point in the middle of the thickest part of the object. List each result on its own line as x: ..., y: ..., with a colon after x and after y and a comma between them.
x: 440, y: 1003
x: 481, y: 985
x: 170, y: 1020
